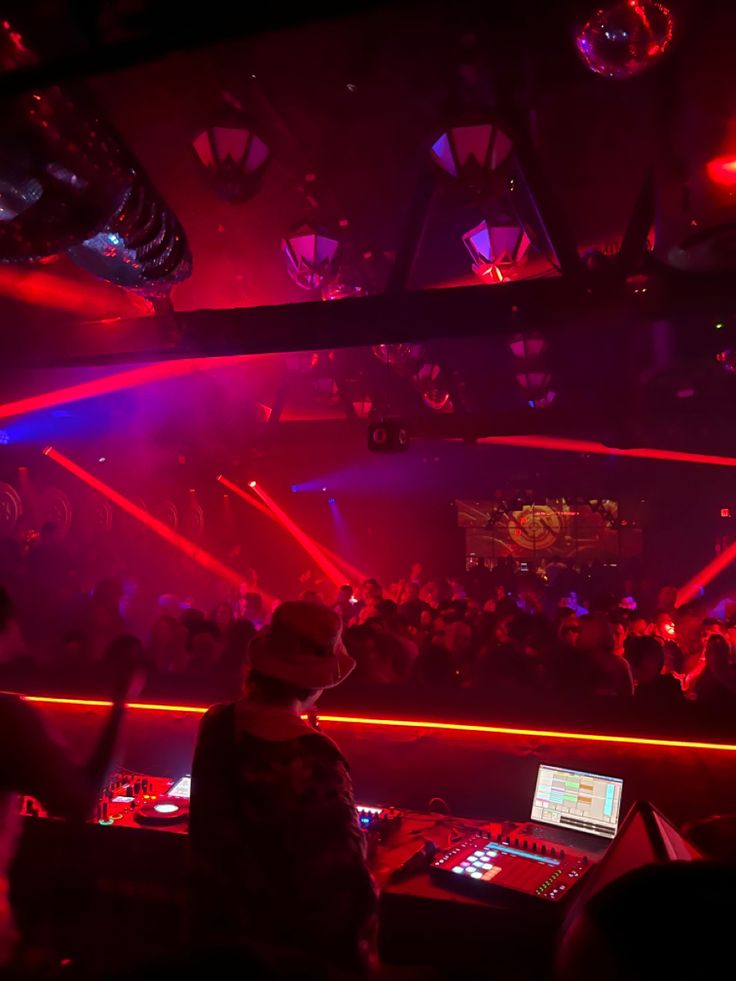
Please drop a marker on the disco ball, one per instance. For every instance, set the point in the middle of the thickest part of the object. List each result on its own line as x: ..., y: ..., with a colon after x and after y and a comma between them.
x: 625, y: 38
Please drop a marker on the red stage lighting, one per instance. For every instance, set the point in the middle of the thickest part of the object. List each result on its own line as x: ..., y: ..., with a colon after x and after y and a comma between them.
x: 252, y: 484
x: 309, y: 545
x: 564, y: 445
x: 160, y: 371
x: 188, y: 548
x: 706, y: 575
x: 93, y: 301
x: 722, y: 170
x: 351, y: 572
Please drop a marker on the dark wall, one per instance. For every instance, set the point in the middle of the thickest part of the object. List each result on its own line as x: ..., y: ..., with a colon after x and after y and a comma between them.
x: 477, y: 774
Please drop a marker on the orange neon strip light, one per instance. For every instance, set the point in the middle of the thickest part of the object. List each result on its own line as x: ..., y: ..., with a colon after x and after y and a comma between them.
x: 418, y: 724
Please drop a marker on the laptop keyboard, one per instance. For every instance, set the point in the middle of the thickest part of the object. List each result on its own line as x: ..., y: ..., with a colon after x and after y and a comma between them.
x: 559, y: 835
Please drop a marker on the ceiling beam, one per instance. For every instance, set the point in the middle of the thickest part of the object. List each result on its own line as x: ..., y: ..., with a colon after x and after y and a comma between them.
x: 423, y: 315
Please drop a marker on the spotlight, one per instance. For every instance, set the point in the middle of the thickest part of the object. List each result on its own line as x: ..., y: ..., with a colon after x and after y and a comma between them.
x: 4, y: 437
x: 331, y: 500
x: 389, y: 436
x: 251, y: 483
x: 294, y: 488
x: 102, y: 459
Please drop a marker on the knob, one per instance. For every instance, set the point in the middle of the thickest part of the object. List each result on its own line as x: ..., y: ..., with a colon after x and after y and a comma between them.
x: 137, y: 787
x: 543, y: 849
x: 585, y: 859
x: 525, y: 844
x: 552, y: 852
x: 516, y: 842
x: 534, y: 846
x: 562, y: 853
x: 499, y: 836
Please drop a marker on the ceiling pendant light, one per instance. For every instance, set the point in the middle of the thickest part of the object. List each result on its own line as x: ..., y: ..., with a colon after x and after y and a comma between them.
x: 498, y: 247
x: 232, y: 156
x: 470, y: 153
x: 310, y: 257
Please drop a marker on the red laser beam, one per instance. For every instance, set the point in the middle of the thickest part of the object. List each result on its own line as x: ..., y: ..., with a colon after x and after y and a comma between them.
x: 460, y: 727
x: 310, y: 547
x: 706, y: 575
x: 188, y: 548
x: 135, y: 377
x: 93, y: 300
x: 351, y: 571
x: 563, y: 445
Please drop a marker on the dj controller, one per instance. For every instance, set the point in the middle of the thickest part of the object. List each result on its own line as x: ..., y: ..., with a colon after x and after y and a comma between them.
x: 135, y: 799
x: 483, y: 863
x: 485, y: 866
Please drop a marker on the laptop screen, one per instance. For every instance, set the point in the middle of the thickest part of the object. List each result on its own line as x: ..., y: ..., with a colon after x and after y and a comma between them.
x: 182, y: 787
x: 578, y: 801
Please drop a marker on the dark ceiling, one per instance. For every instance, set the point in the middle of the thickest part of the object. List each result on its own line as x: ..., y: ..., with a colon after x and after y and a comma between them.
x: 349, y: 107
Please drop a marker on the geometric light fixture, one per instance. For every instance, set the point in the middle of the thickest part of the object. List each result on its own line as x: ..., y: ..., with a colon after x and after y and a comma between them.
x: 471, y: 153
x: 310, y: 257
x: 531, y: 372
x: 497, y: 247
x: 233, y: 157
x: 534, y: 383
x: 362, y: 405
x: 528, y: 346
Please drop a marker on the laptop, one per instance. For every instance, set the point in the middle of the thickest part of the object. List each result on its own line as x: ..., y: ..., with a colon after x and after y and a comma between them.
x: 574, y: 808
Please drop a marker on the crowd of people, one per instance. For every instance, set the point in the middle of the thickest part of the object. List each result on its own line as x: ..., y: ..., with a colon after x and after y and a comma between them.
x: 553, y: 629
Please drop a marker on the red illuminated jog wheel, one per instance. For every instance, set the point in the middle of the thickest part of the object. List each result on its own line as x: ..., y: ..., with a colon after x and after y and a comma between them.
x: 165, y: 810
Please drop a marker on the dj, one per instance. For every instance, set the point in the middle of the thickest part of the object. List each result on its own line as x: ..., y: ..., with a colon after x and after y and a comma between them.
x: 278, y: 858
